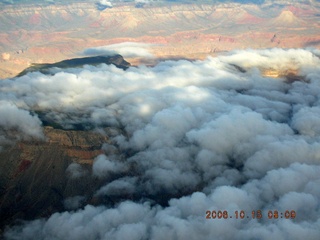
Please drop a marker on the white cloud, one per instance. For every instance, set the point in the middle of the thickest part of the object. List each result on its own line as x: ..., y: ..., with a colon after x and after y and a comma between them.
x: 105, y: 3
x: 75, y: 170
x: 307, y: 121
x: 194, y: 136
x: 126, y: 49
x: 18, y: 124
x: 73, y: 203
x: 102, y: 166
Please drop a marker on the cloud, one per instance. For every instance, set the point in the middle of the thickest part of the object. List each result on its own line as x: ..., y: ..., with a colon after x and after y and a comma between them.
x: 105, y: 3
x: 18, y: 124
x: 75, y: 170
x: 190, y: 137
x: 306, y: 121
x: 73, y: 203
x: 120, y: 187
x: 126, y: 49
x: 103, y: 167
x: 291, y: 58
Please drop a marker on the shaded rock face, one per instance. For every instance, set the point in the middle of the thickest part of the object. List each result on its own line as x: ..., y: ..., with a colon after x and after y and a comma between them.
x: 37, y: 177
x: 116, y: 60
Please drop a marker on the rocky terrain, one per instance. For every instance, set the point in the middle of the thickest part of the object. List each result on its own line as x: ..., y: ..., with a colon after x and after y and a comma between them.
x: 42, y: 169
x: 116, y: 60
x: 51, y: 33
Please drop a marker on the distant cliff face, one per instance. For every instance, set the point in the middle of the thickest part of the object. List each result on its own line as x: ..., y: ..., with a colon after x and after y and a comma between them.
x: 37, y: 177
x: 51, y: 33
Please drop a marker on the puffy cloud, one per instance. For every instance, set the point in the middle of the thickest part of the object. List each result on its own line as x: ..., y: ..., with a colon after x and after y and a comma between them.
x: 191, y: 137
x: 103, y: 167
x: 18, y: 124
x: 306, y: 121
x: 287, y: 59
x: 126, y: 49
x: 72, y: 203
x: 105, y: 3
x: 119, y: 187
x: 75, y: 170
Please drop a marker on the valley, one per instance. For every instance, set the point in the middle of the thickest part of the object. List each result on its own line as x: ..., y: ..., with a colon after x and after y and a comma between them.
x: 51, y: 33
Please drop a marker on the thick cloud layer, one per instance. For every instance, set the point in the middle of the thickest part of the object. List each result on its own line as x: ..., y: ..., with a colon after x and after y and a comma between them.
x: 195, y: 136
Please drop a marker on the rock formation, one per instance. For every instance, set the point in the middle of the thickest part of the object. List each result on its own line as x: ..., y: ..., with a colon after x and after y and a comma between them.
x: 52, y: 33
x: 36, y: 177
x: 116, y: 60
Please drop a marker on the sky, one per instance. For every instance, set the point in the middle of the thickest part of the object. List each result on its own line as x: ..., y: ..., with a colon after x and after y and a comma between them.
x: 210, y: 135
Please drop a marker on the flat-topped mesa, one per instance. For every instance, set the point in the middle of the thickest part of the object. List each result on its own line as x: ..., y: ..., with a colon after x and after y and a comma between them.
x: 116, y: 60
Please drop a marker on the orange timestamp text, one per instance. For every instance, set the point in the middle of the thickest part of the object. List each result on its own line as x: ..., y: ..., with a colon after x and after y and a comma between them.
x: 255, y: 214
